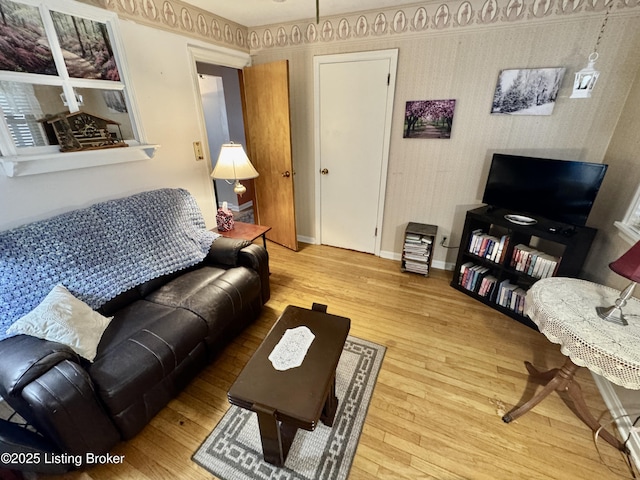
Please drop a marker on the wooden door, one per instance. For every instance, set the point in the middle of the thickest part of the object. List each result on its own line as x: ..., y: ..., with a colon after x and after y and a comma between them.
x: 268, y: 135
x: 354, y: 103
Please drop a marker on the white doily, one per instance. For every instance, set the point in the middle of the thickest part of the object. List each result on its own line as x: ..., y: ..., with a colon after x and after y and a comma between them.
x: 292, y: 348
x: 564, y: 309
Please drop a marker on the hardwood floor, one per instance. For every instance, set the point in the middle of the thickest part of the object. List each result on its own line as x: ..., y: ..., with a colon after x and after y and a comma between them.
x: 452, y: 368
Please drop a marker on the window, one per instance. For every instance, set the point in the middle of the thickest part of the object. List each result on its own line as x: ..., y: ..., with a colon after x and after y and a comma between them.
x: 630, y: 225
x: 58, y: 59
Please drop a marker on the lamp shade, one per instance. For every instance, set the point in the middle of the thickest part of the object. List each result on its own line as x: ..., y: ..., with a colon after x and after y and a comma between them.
x: 233, y: 164
x: 628, y: 265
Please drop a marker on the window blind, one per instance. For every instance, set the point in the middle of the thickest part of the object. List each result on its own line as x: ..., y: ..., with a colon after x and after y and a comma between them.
x: 21, y: 111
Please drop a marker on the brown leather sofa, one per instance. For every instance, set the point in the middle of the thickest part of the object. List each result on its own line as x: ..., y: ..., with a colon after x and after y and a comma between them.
x: 163, y: 333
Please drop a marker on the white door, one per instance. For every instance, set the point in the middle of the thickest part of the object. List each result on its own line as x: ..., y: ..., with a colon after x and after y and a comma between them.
x: 354, y: 100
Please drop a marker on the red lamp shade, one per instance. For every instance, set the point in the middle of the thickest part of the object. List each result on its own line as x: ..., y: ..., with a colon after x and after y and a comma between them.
x: 628, y: 265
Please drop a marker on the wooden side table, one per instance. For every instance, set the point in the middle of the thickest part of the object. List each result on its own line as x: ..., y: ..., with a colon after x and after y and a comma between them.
x: 564, y: 309
x: 246, y: 231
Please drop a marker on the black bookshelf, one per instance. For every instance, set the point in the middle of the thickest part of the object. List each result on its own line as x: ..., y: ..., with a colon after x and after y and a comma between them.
x: 529, y: 252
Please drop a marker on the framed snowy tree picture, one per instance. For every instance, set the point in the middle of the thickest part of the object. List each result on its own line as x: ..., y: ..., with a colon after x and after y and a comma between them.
x: 530, y: 91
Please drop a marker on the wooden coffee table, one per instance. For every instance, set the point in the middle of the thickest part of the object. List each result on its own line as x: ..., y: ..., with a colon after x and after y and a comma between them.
x: 298, y: 397
x: 246, y: 231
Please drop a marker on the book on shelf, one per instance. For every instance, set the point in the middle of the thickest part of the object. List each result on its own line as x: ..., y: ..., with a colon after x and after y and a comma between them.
x: 463, y: 271
x: 534, y: 263
x: 487, y: 286
x: 472, y: 275
x: 488, y: 246
x: 511, y: 296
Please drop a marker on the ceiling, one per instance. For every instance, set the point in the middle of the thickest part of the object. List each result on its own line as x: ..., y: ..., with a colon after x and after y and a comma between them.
x: 253, y: 13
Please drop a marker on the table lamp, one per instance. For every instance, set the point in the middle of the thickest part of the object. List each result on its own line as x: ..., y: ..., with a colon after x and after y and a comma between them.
x: 233, y: 164
x: 628, y: 266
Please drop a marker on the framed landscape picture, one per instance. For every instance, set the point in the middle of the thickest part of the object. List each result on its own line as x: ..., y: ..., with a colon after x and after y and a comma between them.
x: 531, y: 91
x: 25, y: 43
x: 428, y: 118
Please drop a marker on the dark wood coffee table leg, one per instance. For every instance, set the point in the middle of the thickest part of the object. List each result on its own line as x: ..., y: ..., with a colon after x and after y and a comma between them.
x: 330, y: 405
x: 276, y: 436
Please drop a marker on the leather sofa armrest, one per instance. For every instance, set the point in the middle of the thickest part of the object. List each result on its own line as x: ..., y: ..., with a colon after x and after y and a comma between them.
x: 256, y: 257
x: 224, y: 251
x: 15, y: 439
x: 25, y: 358
x: 232, y: 252
x: 65, y: 408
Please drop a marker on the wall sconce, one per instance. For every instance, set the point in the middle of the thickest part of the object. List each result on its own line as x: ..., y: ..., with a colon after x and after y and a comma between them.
x: 233, y: 164
x: 587, y: 77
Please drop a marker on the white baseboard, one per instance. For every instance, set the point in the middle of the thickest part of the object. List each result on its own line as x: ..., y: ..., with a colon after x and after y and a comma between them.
x: 437, y: 264
x: 303, y: 239
x: 623, y: 419
x: 390, y: 255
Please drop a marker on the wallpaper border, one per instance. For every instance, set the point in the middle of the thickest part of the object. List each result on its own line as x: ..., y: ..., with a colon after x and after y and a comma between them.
x: 418, y: 19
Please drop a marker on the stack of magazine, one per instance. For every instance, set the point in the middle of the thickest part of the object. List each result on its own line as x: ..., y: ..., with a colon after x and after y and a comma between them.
x: 417, y: 249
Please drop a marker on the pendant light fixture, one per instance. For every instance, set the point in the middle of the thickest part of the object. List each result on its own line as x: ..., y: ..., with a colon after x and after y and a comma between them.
x: 586, y: 78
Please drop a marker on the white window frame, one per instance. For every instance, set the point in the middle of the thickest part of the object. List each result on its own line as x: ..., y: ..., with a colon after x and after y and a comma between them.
x: 35, y: 160
x: 629, y: 227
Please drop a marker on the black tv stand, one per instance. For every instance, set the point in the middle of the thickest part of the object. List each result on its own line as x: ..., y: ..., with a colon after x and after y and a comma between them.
x: 525, y: 253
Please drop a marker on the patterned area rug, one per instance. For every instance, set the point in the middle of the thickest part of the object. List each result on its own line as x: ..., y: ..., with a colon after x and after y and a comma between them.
x: 233, y: 450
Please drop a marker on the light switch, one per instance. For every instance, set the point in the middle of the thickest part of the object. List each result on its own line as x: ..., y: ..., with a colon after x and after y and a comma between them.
x: 197, y: 149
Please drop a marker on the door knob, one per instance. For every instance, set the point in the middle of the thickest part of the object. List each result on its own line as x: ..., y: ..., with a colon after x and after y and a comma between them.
x: 286, y: 174
x: 324, y: 171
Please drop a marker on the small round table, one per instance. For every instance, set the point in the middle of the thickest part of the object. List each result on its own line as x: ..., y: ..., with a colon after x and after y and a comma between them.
x: 564, y: 309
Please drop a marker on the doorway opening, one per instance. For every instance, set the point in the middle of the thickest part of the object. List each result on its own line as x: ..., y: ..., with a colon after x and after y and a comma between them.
x: 220, y: 93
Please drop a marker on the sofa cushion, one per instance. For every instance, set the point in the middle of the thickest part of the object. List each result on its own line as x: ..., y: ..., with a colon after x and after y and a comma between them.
x: 144, y: 344
x: 216, y: 295
x: 62, y: 318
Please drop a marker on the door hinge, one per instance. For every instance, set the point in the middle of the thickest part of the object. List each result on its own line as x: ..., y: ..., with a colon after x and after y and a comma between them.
x: 376, y: 233
x: 388, y: 79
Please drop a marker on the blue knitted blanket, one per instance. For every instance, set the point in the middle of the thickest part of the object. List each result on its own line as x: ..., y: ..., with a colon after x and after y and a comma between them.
x: 100, y: 251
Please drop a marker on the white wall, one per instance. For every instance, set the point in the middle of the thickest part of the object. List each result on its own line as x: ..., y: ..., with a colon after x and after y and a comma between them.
x: 163, y: 87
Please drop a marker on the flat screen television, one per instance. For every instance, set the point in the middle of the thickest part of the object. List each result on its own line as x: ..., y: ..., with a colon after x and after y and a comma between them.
x: 559, y: 190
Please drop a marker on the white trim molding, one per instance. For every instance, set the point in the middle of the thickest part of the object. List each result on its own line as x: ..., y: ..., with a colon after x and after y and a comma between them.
x: 629, y: 234
x: 623, y: 420
x: 21, y: 165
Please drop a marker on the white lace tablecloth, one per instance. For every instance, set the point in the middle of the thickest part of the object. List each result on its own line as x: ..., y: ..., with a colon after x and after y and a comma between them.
x: 292, y: 348
x: 564, y: 309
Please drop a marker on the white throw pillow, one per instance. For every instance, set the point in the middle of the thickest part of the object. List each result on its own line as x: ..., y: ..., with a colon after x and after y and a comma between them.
x: 63, y: 318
